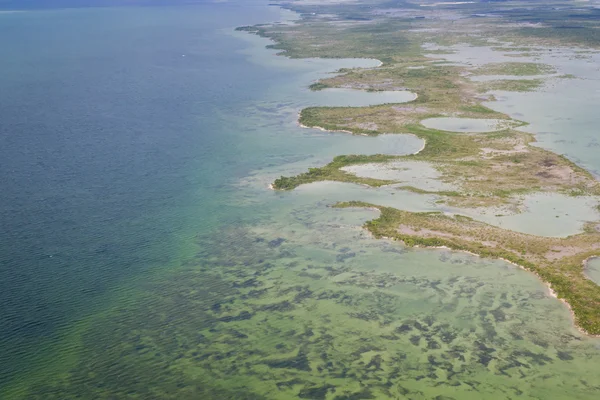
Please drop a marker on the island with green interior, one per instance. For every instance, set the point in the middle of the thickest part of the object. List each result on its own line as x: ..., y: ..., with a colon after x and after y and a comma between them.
x: 484, y: 168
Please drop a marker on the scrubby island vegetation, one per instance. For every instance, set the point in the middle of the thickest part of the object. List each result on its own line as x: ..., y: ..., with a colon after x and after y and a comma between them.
x: 515, y: 69
x: 515, y: 85
x: 333, y: 172
x: 488, y: 169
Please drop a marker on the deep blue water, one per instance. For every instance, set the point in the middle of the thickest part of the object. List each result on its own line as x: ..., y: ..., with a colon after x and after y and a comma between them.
x: 110, y: 152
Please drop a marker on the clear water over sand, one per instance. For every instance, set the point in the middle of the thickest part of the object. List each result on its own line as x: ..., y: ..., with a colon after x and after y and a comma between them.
x: 542, y: 214
x: 249, y: 293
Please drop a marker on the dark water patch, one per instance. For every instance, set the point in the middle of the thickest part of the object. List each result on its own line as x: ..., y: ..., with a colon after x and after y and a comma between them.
x: 534, y: 358
x: 433, y: 345
x: 289, y: 384
x: 316, y: 393
x: 422, y: 327
x: 252, y: 282
x: 276, y: 242
x: 309, y: 275
x: 303, y: 294
x: 283, y: 306
x: 242, y: 316
x: 362, y: 395
x: 415, y: 340
x: 255, y: 294
x: 237, y: 334
x: 404, y: 328
x: 299, y: 362
x: 539, y: 342
x: 498, y: 314
x: 564, y: 356
x: 365, y: 316
x: 375, y: 363
x: 344, y: 256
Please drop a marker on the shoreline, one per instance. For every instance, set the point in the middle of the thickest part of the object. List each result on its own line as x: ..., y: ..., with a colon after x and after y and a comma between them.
x: 548, y: 286
x: 585, y: 266
x: 320, y: 128
x: 301, y: 125
x: 551, y: 292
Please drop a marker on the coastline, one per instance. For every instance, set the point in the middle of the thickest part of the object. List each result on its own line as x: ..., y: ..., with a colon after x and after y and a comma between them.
x: 551, y: 291
x: 320, y: 128
x: 394, y: 219
x: 548, y: 286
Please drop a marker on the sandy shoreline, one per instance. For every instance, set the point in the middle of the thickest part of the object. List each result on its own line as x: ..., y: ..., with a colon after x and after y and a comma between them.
x: 301, y: 125
x: 548, y: 286
x: 320, y: 128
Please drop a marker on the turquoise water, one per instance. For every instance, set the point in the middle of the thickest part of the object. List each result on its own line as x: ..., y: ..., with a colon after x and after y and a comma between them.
x: 143, y: 255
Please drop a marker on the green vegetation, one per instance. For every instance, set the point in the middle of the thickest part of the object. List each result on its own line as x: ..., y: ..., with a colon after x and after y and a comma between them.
x: 318, y: 86
x: 489, y: 169
x: 423, y: 191
x: 515, y: 68
x: 516, y: 85
x: 557, y: 261
x: 333, y: 172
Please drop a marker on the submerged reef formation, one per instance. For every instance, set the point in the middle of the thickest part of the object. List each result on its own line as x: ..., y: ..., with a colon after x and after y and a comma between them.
x: 258, y: 321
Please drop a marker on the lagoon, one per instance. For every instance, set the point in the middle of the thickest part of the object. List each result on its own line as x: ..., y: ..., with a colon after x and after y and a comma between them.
x: 475, y: 125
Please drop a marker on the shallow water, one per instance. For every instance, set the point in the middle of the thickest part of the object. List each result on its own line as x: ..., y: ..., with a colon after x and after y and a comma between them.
x: 474, y: 125
x: 543, y: 214
x: 328, y: 193
x: 263, y: 295
x: 592, y: 270
x: 421, y: 175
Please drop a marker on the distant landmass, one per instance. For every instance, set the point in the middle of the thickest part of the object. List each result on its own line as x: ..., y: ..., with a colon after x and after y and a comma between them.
x: 39, y: 4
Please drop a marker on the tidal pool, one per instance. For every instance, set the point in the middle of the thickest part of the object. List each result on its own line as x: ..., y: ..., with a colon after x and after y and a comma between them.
x: 563, y: 113
x: 356, y: 98
x: 592, y: 270
x: 542, y: 214
x: 421, y: 175
x: 474, y: 125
